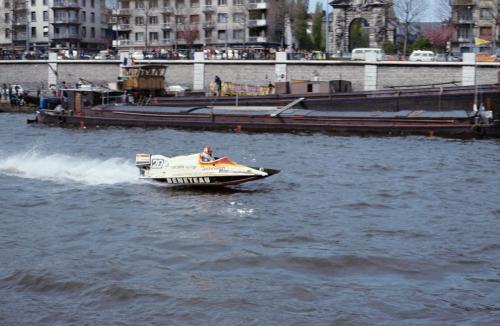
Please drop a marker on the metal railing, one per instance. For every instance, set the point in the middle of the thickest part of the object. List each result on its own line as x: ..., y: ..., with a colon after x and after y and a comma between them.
x: 257, y: 22
x: 208, y: 8
x: 65, y: 35
x: 66, y: 4
x: 66, y: 20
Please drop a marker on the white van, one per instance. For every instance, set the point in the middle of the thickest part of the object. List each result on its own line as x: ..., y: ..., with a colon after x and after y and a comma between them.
x: 360, y: 53
x: 420, y: 55
x: 138, y: 55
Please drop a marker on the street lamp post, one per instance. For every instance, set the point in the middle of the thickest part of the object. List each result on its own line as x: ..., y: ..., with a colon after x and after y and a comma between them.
x: 327, y: 28
x: 227, y: 31
x: 27, y: 45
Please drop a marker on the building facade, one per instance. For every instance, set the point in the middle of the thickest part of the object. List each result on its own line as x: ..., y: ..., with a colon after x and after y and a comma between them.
x: 40, y: 25
x: 475, y: 19
x: 174, y: 24
x: 375, y: 16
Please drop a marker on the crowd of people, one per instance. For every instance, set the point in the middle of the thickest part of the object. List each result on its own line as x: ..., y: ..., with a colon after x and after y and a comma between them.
x: 210, y: 53
x: 13, y: 94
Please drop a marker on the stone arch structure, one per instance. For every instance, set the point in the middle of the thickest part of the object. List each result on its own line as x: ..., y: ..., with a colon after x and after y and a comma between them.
x: 363, y: 23
x: 379, y: 15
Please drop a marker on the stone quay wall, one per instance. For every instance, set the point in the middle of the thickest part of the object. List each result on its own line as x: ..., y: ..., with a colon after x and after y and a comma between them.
x: 199, y: 73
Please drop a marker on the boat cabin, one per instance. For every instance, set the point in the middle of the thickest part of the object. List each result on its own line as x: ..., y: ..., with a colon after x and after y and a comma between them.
x: 76, y: 99
x: 146, y: 78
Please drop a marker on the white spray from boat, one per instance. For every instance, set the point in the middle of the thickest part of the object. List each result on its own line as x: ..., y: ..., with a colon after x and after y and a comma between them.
x: 62, y: 168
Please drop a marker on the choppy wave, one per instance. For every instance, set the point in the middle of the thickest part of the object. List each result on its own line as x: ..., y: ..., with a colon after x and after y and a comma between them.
x: 62, y: 168
x: 42, y: 283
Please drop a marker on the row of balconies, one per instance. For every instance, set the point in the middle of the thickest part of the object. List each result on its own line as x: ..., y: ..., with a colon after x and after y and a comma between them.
x: 206, y: 25
x: 66, y: 20
x: 252, y: 5
x: 66, y: 4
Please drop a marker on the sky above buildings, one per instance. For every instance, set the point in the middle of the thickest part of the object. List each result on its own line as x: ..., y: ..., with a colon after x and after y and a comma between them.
x: 430, y: 16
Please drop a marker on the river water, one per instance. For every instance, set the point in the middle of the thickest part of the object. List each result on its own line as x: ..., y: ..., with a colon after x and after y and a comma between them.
x: 354, y: 230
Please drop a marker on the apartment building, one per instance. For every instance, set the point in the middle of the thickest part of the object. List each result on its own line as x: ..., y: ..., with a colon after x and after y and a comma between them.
x: 173, y: 24
x: 475, y: 19
x: 53, y: 24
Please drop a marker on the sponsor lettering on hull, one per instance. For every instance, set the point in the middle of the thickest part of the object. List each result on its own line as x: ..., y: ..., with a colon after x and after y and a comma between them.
x: 191, y: 180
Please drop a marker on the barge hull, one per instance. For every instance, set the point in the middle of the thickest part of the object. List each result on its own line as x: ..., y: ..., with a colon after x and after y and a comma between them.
x: 446, y: 127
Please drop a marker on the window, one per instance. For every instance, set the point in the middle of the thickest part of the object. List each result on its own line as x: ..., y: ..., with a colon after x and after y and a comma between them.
x: 222, y: 18
x: 221, y: 35
x: 153, y: 3
x: 179, y: 20
x: 166, y: 18
x: 7, y: 6
x: 239, y: 18
x: 45, y: 2
x: 485, y: 13
x: 45, y: 31
x: 222, y: 2
x: 153, y: 20
x: 84, y: 31
x: 139, y: 36
x: 139, y: 4
x: 33, y: 16
x: 139, y: 20
x: 45, y: 16
x: 179, y: 4
x: 166, y: 3
x: 485, y: 32
x: 92, y: 17
x: 166, y: 35
x: 238, y: 2
x: 84, y: 16
x: 194, y: 19
x: 92, y: 32
x: 238, y: 34
x: 7, y: 17
x: 33, y: 31
x: 84, y: 3
x: 195, y: 3
x: 33, y: 3
x: 153, y: 36
x: 92, y: 4
x: 7, y: 33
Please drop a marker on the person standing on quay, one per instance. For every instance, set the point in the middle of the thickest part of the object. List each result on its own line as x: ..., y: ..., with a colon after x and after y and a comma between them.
x: 218, y: 83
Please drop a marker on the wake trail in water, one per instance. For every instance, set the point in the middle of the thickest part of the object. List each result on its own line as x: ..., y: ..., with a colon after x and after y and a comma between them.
x: 62, y: 168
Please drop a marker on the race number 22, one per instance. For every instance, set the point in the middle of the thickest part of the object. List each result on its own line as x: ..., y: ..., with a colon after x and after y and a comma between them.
x: 156, y: 164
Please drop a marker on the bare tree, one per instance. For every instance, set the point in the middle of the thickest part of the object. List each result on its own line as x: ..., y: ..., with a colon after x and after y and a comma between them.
x: 147, y: 9
x: 494, y: 12
x: 443, y: 10
x: 240, y: 14
x: 408, y: 12
x: 186, y: 26
x: 5, y: 21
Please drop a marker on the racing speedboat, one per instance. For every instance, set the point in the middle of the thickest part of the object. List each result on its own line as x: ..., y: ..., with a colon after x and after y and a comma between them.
x: 192, y: 171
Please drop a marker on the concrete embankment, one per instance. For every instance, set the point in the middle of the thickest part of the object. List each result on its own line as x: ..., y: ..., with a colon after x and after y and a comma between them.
x: 6, y: 107
x: 198, y: 73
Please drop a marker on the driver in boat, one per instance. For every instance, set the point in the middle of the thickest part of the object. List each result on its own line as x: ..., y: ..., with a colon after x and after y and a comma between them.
x: 206, y: 155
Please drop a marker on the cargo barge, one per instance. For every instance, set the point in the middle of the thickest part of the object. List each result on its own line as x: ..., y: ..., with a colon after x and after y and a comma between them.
x: 97, y: 107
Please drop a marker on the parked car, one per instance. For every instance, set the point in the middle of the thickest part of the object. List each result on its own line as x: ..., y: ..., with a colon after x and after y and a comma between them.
x: 420, y: 55
x: 360, y: 53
